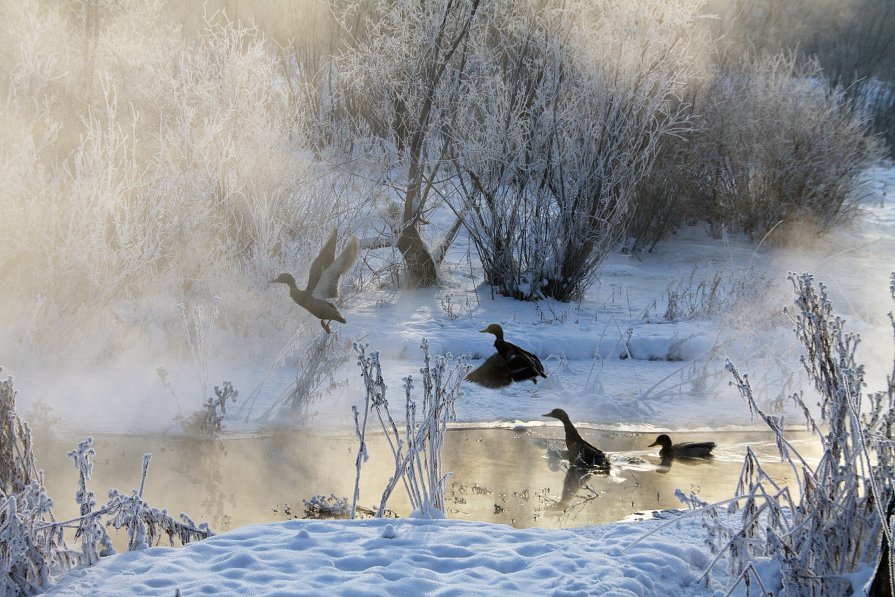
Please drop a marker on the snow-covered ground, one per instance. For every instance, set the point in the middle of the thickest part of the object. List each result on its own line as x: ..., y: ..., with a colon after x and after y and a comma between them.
x: 613, y: 360
x: 410, y: 557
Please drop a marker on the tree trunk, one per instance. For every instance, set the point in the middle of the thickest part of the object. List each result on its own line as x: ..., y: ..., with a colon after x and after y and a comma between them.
x: 419, y: 265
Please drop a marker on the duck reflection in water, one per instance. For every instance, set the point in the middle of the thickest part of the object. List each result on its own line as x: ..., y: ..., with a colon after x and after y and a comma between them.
x: 576, y: 490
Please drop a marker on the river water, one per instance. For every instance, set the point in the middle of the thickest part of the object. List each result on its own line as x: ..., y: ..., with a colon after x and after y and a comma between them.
x: 499, y: 475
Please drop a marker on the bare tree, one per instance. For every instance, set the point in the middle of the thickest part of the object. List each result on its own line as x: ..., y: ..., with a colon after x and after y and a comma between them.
x: 405, y: 59
x: 550, y: 167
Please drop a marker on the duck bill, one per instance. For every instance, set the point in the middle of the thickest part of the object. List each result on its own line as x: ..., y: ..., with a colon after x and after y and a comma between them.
x: 653, y: 444
x: 485, y: 331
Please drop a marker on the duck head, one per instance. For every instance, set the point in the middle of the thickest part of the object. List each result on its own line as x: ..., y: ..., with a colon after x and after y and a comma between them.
x: 493, y: 329
x: 663, y: 440
x: 557, y: 413
x: 284, y: 279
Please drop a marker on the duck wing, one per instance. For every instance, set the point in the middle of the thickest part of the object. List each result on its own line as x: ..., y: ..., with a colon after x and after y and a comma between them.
x: 522, y: 360
x: 591, y: 457
x: 328, y: 284
x: 694, y: 448
x: 492, y: 373
x: 323, y: 260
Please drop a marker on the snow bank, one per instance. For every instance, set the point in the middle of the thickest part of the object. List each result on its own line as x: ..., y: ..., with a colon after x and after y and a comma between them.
x: 410, y: 557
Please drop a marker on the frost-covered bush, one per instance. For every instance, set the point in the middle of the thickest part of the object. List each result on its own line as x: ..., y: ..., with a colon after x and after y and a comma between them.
x: 33, y: 543
x: 27, y: 556
x: 207, y: 422
x: 141, y: 161
x: 145, y: 525
x: 416, y: 451
x: 850, y: 39
x: 664, y: 200
x: 773, y: 144
x: 566, y: 118
x: 833, y: 526
x: 877, y: 97
x: 706, y: 296
x: 17, y: 468
x: 315, y: 370
x: 321, y: 506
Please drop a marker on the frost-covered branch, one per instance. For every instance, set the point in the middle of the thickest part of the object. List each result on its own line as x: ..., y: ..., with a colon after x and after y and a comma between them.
x: 32, y: 541
x: 836, y: 524
x: 557, y: 136
x: 417, y: 451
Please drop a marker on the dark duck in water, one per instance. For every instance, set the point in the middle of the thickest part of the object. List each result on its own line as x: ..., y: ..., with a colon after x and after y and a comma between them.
x: 581, y: 453
x: 323, y: 281
x: 684, y: 450
x: 510, y: 363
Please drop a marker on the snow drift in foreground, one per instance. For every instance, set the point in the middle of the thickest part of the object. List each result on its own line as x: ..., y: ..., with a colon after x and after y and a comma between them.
x: 412, y: 557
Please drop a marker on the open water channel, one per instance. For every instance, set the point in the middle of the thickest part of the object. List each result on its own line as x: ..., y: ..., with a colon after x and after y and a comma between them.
x: 499, y: 475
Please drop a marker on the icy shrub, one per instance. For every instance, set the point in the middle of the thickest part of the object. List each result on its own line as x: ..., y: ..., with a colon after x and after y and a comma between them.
x: 877, y: 97
x: 559, y: 133
x: 850, y: 39
x: 712, y: 294
x: 333, y: 507
x: 198, y: 327
x: 774, y: 144
x: 663, y: 201
x: 207, y: 422
x: 17, y: 468
x: 32, y: 541
x: 26, y: 557
x: 835, y: 525
x: 145, y: 525
x: 314, y: 377
x: 144, y: 162
x: 416, y: 451
x: 321, y: 506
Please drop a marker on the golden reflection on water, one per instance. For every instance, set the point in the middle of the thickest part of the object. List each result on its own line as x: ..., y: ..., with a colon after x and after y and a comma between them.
x: 498, y: 475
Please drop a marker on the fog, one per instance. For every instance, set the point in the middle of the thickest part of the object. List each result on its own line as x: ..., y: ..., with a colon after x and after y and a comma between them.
x: 162, y: 161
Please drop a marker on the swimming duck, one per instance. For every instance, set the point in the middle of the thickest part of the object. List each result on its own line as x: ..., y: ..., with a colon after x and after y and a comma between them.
x: 581, y: 453
x: 510, y: 363
x: 323, y: 281
x: 684, y: 450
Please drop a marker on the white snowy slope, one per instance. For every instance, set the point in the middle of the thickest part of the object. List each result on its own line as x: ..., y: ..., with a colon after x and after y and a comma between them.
x: 410, y: 557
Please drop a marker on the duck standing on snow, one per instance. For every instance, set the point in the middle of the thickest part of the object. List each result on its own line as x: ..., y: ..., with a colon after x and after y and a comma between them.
x: 684, y: 450
x: 323, y: 281
x: 581, y: 453
x: 510, y: 363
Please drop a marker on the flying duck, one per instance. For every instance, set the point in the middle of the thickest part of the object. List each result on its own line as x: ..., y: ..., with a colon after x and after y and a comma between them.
x: 510, y: 363
x: 323, y: 281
